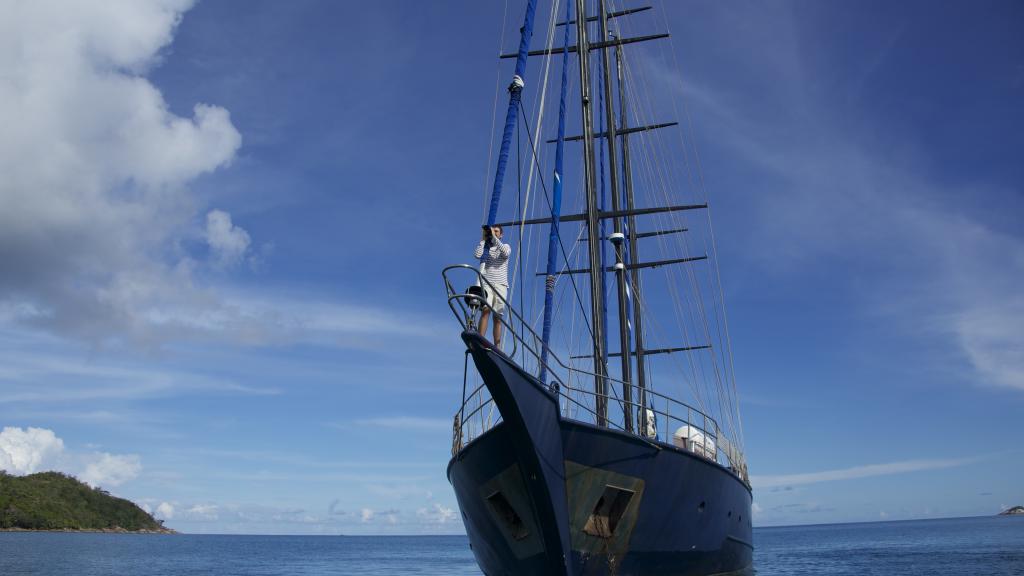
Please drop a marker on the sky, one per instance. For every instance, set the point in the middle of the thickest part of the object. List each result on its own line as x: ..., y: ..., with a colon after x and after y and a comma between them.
x: 224, y: 223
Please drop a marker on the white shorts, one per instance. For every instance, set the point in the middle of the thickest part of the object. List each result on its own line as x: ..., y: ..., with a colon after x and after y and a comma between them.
x: 497, y: 305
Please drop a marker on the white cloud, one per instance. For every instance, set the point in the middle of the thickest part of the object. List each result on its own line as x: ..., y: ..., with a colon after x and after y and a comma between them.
x: 95, y: 167
x: 29, y: 450
x: 202, y: 512
x: 865, y: 471
x: 991, y: 337
x: 98, y: 220
x: 436, y: 514
x: 110, y: 470
x: 227, y: 242
x: 227, y: 517
x: 165, y: 511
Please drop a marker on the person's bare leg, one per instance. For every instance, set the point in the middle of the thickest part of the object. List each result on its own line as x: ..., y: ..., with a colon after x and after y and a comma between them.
x: 497, y: 332
x: 484, y: 315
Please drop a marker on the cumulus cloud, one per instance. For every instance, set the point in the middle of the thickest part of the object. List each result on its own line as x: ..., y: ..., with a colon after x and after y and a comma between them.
x: 95, y: 166
x: 100, y: 237
x: 98, y: 229
x: 228, y: 243
x: 165, y: 511
x: 229, y: 517
x: 30, y: 450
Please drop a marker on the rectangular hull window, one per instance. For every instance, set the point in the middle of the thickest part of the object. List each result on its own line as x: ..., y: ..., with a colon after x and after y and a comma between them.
x: 508, y: 516
x: 608, y: 511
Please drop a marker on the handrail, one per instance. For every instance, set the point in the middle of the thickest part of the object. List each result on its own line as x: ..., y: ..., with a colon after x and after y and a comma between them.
x: 458, y: 296
x: 466, y: 315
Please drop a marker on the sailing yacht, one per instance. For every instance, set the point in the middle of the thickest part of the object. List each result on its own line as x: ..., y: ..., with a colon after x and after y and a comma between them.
x: 580, y: 447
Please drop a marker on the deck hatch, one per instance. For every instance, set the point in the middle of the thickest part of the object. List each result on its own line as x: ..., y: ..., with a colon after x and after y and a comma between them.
x: 608, y: 511
x: 508, y: 515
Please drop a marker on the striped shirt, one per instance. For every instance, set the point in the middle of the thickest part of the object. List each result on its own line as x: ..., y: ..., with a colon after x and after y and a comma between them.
x: 495, y: 267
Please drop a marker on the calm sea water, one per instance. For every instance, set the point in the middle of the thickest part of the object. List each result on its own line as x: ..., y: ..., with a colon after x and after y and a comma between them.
x: 966, y: 546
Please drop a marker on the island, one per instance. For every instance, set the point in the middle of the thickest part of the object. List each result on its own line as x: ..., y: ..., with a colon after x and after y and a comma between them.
x: 57, y: 502
x: 1012, y: 511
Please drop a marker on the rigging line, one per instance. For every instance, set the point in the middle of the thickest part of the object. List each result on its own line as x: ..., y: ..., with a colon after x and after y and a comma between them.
x: 520, y: 204
x: 696, y: 290
x: 574, y: 346
x: 540, y: 107
x: 724, y: 326
x: 561, y: 246
x: 721, y: 320
x: 494, y: 110
x: 551, y: 260
x: 724, y: 395
x: 718, y: 381
x: 574, y: 254
x: 649, y: 172
x: 519, y: 210
x: 657, y: 328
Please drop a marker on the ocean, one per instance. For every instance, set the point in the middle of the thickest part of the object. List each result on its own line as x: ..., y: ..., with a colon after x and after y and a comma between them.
x: 952, y: 547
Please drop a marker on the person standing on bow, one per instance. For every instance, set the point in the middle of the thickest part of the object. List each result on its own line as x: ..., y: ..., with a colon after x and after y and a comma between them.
x: 493, y: 255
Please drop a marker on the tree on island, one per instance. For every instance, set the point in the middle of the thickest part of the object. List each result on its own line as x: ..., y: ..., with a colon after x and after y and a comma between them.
x: 56, y: 501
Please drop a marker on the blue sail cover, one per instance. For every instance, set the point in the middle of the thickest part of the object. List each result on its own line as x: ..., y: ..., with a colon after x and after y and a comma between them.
x: 515, y: 95
x: 556, y: 206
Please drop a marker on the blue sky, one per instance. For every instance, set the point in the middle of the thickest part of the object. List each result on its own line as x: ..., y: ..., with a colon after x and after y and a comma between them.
x: 231, y: 313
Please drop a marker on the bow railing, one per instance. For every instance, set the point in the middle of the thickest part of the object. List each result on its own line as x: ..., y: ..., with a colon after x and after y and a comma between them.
x: 664, y: 421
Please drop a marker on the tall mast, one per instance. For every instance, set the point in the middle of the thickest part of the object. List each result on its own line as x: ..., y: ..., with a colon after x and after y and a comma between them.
x: 515, y: 90
x: 617, y: 236
x: 593, y: 233
x: 556, y: 206
x: 627, y: 177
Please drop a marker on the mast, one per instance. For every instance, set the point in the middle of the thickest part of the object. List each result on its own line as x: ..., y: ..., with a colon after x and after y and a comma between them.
x: 627, y: 177
x: 593, y: 234
x: 617, y: 237
x: 515, y: 90
x: 556, y: 207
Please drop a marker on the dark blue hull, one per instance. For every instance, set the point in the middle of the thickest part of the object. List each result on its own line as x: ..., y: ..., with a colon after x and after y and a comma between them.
x: 541, y: 494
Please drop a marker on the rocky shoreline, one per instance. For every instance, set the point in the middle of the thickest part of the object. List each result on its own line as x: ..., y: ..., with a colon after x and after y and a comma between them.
x: 114, y: 530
